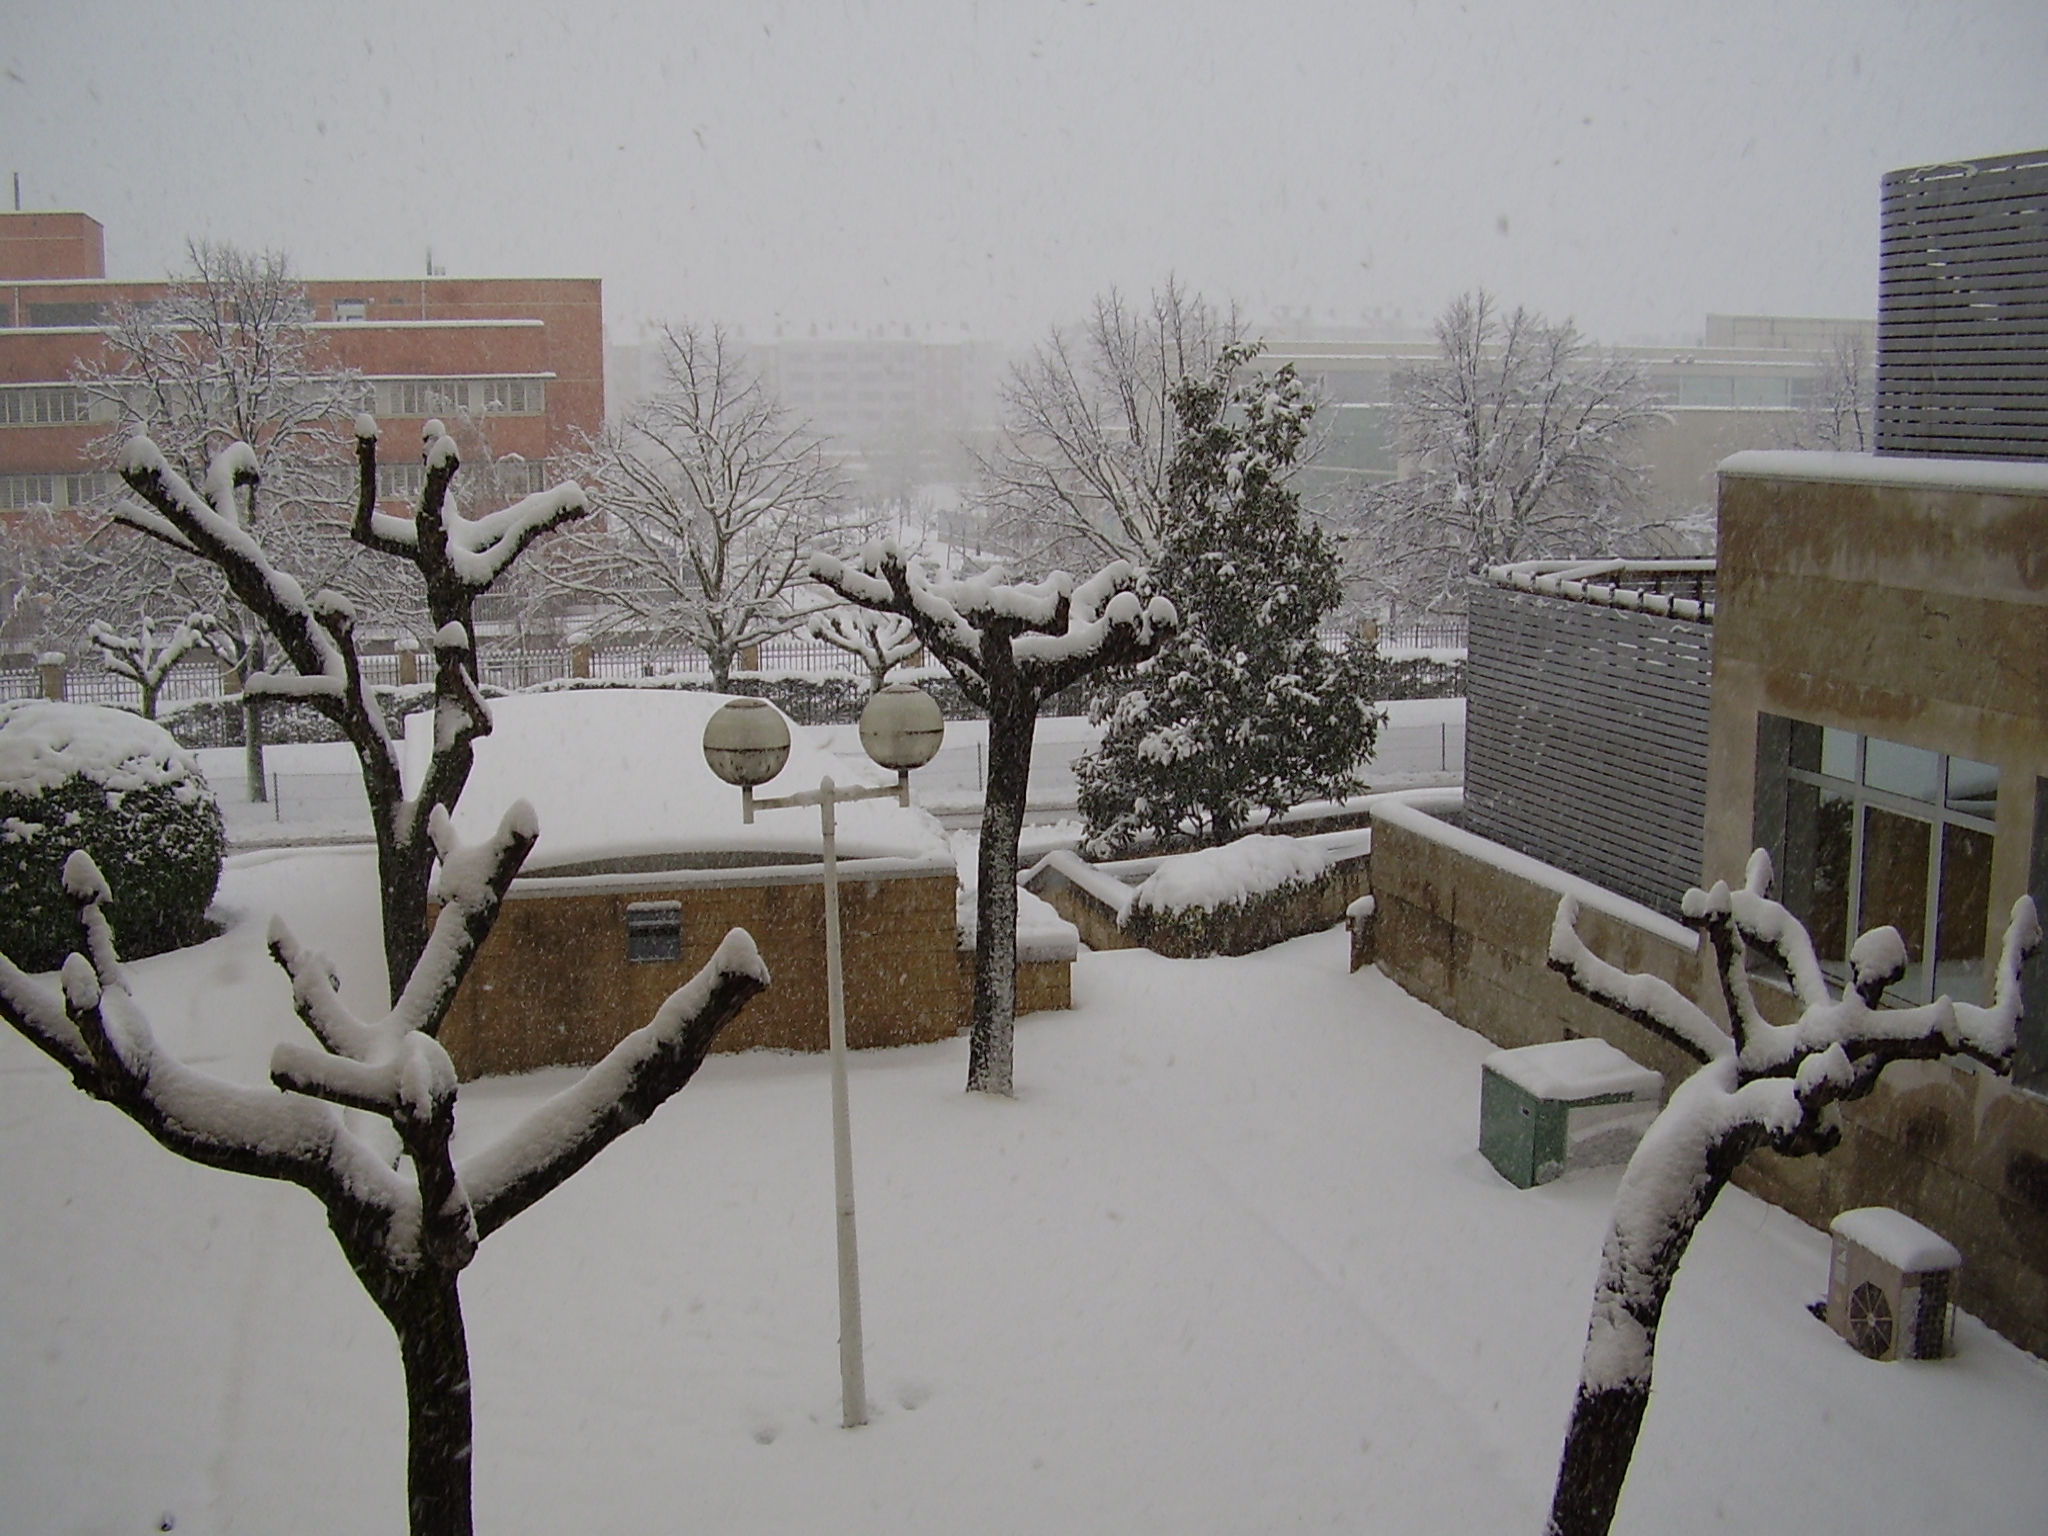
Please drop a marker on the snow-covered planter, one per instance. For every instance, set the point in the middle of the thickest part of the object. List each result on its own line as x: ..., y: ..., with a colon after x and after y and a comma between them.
x: 1231, y: 900
x: 78, y: 776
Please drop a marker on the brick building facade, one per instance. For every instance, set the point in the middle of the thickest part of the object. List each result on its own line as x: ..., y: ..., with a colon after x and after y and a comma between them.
x: 522, y: 357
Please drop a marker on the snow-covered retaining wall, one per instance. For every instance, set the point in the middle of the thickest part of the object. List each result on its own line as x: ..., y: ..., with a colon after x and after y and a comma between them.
x: 1464, y: 924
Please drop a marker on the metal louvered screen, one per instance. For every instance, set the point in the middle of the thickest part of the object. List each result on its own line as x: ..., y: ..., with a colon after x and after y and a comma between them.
x: 1962, y: 310
x: 1586, y: 739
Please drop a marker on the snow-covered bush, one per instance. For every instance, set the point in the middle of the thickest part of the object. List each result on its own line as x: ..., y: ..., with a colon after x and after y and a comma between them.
x: 1225, y: 901
x: 77, y: 776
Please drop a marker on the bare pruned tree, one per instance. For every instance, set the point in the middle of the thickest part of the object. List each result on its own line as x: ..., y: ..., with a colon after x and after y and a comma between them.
x: 881, y: 641
x: 712, y: 499
x: 407, y: 1215
x: 1759, y: 1084
x: 1515, y: 445
x: 1840, y: 414
x: 1080, y: 473
x: 146, y: 658
x: 1010, y: 647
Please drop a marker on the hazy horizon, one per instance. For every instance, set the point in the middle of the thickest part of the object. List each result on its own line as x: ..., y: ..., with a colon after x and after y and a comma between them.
x: 982, y: 172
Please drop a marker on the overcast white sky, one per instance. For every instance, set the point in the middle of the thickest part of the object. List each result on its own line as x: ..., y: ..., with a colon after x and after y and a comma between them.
x: 982, y: 170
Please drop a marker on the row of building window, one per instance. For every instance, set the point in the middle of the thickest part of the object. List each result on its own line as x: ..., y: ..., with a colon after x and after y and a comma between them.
x: 42, y: 405
x: 39, y: 405
x: 453, y: 396
x: 20, y: 492
x: 503, y: 480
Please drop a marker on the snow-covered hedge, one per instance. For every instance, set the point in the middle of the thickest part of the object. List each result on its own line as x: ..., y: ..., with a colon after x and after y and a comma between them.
x: 118, y: 786
x: 1227, y: 901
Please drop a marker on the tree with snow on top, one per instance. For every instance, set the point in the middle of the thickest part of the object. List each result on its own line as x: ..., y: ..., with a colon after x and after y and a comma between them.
x: 1010, y: 646
x: 1243, y: 710
x: 1758, y: 1085
x: 408, y: 1216
x: 146, y: 659
x: 882, y: 642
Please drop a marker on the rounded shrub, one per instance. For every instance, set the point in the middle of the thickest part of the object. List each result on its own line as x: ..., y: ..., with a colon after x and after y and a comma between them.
x: 118, y: 786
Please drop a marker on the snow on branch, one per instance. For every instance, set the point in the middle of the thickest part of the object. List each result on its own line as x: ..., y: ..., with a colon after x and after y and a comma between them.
x: 641, y: 1072
x: 1763, y: 1084
x: 92, y: 1026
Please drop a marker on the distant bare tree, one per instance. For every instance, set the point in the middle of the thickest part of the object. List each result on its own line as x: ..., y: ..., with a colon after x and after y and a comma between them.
x: 712, y: 498
x: 1841, y: 411
x: 1515, y: 443
x: 1080, y: 474
x: 229, y: 354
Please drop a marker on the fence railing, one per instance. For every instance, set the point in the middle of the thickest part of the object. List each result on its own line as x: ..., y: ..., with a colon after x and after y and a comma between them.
x: 524, y: 663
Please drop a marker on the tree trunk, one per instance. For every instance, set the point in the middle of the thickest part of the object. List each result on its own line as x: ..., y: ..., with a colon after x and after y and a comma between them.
x: 1597, y: 1450
x: 990, y: 1053
x: 427, y: 1315
x: 148, y: 701
x: 402, y: 877
x: 252, y: 729
x: 1637, y: 1266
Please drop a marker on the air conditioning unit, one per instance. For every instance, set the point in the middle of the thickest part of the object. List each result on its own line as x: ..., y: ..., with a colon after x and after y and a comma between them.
x: 1891, y: 1285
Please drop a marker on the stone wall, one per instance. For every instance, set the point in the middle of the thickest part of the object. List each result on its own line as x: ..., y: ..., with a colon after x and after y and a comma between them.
x: 552, y: 985
x: 1958, y: 1149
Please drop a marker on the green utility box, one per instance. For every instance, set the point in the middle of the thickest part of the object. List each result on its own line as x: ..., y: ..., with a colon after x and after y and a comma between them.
x: 1570, y: 1104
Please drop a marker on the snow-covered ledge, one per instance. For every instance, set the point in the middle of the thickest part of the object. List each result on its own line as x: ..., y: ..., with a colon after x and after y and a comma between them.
x: 1998, y: 476
x: 1411, y: 813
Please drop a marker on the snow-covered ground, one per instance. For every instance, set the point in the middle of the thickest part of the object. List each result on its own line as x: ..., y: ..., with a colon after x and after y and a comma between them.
x: 317, y: 792
x: 1229, y: 1263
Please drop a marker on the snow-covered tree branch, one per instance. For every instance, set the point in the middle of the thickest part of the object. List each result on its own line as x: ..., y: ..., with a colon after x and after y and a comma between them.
x: 456, y: 558
x: 1010, y: 646
x: 882, y: 641
x: 407, y: 1238
x: 146, y: 659
x: 1759, y: 1084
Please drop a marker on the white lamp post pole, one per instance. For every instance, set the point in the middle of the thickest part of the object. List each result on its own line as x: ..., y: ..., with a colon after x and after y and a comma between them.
x: 748, y: 749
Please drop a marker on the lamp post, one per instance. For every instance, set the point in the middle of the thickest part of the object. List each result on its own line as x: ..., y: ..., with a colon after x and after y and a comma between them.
x: 747, y: 743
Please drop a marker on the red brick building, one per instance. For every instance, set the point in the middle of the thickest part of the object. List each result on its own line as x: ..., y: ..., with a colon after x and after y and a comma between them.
x: 523, y: 357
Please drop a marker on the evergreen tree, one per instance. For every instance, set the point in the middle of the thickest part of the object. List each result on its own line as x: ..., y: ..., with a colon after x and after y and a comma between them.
x: 1243, y: 709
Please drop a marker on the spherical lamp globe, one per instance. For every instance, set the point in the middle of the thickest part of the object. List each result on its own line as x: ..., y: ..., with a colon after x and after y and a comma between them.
x: 901, y: 728
x: 746, y: 742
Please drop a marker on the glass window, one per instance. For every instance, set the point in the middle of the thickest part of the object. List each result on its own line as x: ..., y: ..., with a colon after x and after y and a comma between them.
x: 1910, y: 771
x: 1838, y: 754
x: 1972, y: 788
x: 1867, y: 832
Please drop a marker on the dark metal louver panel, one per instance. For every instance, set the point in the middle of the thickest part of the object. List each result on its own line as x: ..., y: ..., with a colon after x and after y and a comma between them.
x: 1586, y: 739
x: 1962, y: 309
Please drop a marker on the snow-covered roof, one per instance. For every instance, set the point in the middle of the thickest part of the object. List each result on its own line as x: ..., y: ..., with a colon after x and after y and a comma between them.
x: 2000, y: 476
x: 619, y: 780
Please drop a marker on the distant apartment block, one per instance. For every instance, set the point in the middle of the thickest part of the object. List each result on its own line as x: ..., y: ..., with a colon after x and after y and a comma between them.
x: 1746, y: 386
x: 521, y: 358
